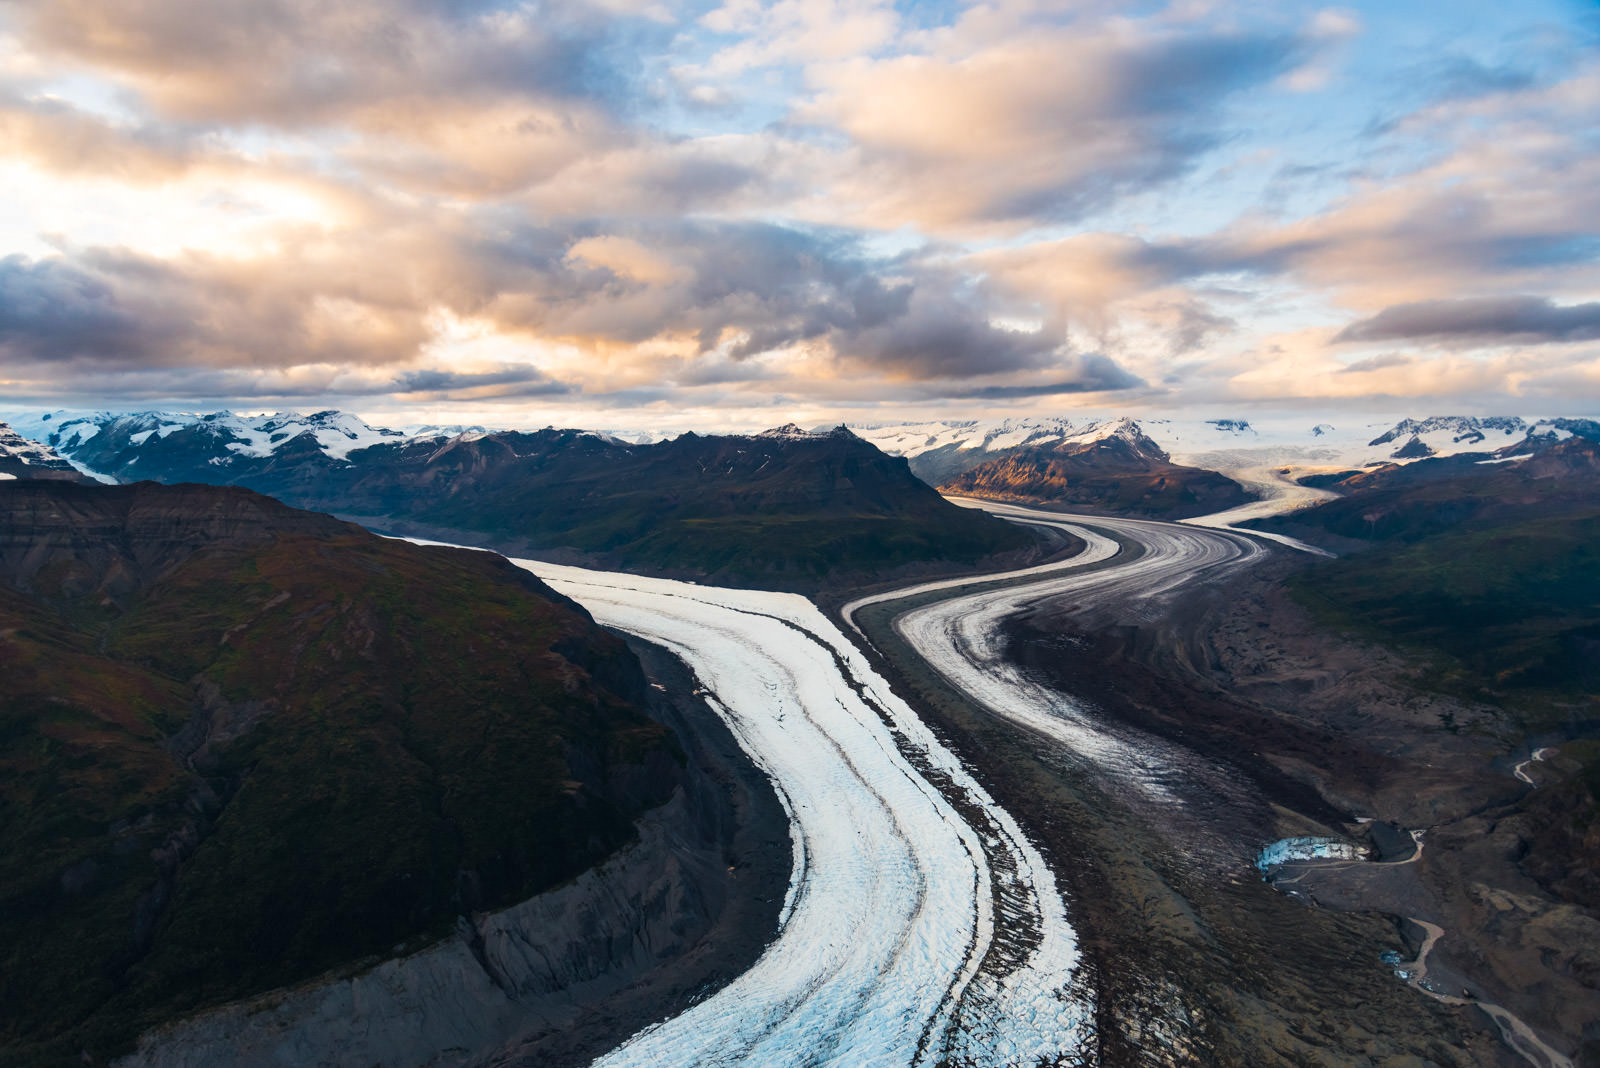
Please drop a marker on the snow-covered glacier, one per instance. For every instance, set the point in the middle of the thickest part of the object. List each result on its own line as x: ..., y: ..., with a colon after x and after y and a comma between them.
x: 907, y: 876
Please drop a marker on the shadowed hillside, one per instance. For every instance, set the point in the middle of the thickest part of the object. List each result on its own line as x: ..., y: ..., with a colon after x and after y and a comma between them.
x: 1495, y: 568
x: 242, y: 744
x: 783, y: 509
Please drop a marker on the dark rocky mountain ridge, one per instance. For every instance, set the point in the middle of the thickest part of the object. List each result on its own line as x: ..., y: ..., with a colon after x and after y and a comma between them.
x: 238, y: 748
x: 785, y: 508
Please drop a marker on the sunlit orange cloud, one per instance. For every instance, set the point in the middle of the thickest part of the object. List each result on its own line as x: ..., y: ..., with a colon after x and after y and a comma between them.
x: 303, y: 63
x: 1299, y: 366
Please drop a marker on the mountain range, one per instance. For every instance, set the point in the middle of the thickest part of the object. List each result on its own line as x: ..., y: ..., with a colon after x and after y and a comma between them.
x: 788, y: 507
x: 1489, y: 567
x: 785, y: 508
x: 940, y: 450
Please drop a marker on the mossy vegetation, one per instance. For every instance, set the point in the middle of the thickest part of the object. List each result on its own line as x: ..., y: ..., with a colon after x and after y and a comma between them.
x: 1490, y: 572
x: 1510, y: 609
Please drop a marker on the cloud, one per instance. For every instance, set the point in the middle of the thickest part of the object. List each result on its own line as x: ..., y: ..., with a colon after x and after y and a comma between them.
x: 112, y: 307
x: 844, y: 200
x: 53, y: 309
x: 507, y: 381
x: 1378, y: 363
x: 686, y: 301
x: 790, y: 31
x: 461, y: 97
x: 1507, y: 201
x: 304, y: 62
x: 67, y: 140
x: 1047, y: 124
x: 1091, y: 373
x: 1482, y: 321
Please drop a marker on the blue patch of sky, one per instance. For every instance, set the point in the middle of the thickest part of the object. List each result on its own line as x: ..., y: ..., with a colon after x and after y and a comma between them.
x: 1290, y: 153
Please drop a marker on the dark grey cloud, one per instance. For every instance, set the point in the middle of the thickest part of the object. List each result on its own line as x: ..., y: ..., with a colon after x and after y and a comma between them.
x: 292, y: 62
x: 1378, y: 363
x: 742, y: 289
x: 43, y: 384
x: 1095, y: 372
x: 510, y: 381
x: 108, y: 308
x: 944, y: 333
x: 755, y: 288
x: 55, y: 309
x: 1481, y: 321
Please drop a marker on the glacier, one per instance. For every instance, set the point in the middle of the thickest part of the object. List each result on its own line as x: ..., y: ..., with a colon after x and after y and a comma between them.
x: 900, y: 857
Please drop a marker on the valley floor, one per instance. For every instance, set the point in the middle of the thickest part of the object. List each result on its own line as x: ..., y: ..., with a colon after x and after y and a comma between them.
x: 1022, y: 816
x: 1204, y: 720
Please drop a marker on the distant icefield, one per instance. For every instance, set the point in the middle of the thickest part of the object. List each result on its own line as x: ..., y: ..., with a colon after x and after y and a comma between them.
x: 889, y: 951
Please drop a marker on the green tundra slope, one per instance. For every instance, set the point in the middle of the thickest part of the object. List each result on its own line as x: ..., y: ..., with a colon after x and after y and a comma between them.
x: 1493, y: 570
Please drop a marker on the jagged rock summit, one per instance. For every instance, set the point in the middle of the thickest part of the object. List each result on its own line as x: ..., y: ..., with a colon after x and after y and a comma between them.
x: 1112, y: 466
x: 23, y: 458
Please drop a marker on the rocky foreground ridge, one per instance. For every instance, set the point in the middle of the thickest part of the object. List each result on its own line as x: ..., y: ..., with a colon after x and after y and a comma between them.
x: 244, y: 746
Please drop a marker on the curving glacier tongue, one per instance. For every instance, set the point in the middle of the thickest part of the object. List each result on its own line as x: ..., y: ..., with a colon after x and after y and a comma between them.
x: 920, y: 926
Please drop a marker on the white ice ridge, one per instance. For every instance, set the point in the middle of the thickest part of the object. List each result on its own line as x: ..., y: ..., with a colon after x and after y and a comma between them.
x: 920, y: 926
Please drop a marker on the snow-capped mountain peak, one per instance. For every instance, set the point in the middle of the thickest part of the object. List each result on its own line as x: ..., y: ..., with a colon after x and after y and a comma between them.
x: 16, y: 447
x: 22, y: 457
x: 1243, y: 448
x: 788, y: 431
x: 1461, y: 428
x: 109, y: 441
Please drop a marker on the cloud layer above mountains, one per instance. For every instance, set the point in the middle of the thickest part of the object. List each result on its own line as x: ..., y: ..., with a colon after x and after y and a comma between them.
x: 549, y: 210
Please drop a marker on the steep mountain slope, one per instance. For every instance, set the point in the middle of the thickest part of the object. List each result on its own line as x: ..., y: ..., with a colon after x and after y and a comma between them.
x: 21, y: 458
x: 242, y: 744
x: 782, y: 508
x: 1123, y: 472
x: 785, y: 508
x: 178, y: 447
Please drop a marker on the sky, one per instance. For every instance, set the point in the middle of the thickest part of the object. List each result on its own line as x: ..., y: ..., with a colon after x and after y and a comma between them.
x: 648, y: 214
